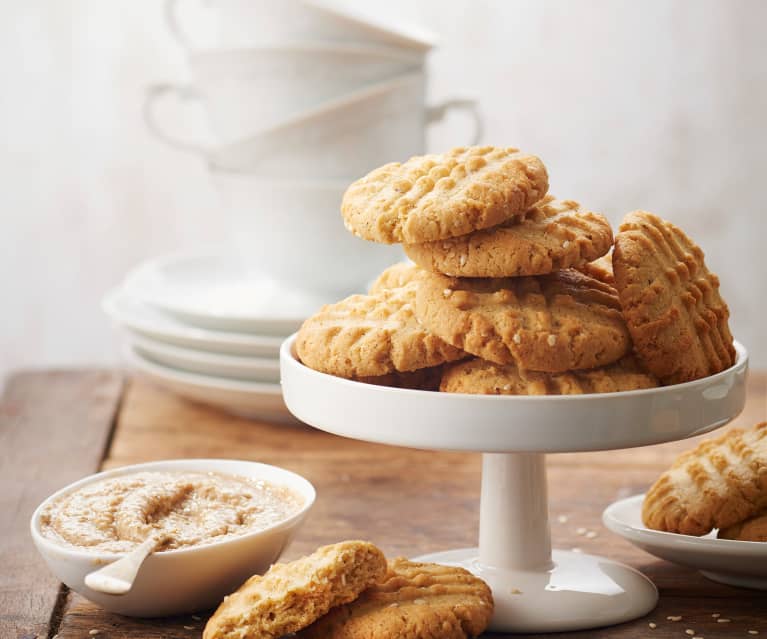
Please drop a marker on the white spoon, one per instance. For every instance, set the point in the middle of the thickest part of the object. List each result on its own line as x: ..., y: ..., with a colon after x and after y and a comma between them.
x: 117, y: 578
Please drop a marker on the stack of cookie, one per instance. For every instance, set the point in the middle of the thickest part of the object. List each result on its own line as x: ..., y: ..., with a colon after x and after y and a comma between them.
x: 513, y: 291
x: 721, y: 483
x: 349, y: 590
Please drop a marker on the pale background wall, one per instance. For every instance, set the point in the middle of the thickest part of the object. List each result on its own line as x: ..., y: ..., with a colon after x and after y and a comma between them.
x: 654, y: 104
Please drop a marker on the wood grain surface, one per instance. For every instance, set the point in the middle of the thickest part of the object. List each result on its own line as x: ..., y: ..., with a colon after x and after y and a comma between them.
x: 54, y: 429
x: 410, y: 502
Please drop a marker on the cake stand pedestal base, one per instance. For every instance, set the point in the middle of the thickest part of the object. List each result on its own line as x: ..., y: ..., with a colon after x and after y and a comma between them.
x: 576, y: 592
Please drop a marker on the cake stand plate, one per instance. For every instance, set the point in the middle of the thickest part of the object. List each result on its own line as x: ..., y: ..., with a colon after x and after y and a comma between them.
x: 534, y: 589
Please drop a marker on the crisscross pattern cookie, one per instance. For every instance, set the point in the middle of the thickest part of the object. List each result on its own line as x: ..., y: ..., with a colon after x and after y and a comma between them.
x: 671, y: 301
x: 718, y: 484
x: 395, y: 276
x: 434, y: 197
x: 551, y: 323
x: 554, y: 234
x: 753, y: 529
x: 414, y: 601
x: 486, y: 378
x: 291, y: 596
x: 600, y: 269
x: 371, y: 335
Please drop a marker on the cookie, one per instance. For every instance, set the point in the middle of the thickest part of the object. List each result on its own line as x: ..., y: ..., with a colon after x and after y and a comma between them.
x: 371, y: 335
x: 434, y: 197
x: 671, y: 301
x: 754, y: 529
x: 551, y: 323
x: 423, y: 379
x: 414, y: 601
x: 600, y: 269
x: 720, y: 483
x: 395, y: 276
x: 291, y: 596
x: 554, y: 234
x: 478, y: 376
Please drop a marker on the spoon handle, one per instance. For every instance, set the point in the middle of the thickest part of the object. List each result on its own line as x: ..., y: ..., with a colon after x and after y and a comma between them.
x: 117, y: 578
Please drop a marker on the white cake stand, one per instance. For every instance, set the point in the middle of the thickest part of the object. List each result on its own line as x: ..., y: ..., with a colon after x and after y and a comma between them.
x: 535, y: 589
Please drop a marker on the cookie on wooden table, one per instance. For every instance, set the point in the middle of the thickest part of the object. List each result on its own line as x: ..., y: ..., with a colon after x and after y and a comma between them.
x: 753, y: 529
x: 371, y: 335
x: 413, y: 601
x: 434, y: 197
x: 554, y: 234
x: 551, y: 323
x: 671, y: 301
x: 479, y: 376
x: 718, y: 484
x: 395, y: 276
x: 291, y: 596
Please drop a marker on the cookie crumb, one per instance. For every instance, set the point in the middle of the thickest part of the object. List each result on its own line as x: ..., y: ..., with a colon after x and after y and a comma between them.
x: 196, y: 617
x: 652, y: 625
x: 723, y: 620
x: 188, y: 627
x: 716, y: 614
x: 674, y: 617
x: 580, y: 531
x: 689, y: 631
x: 591, y: 534
x: 93, y: 632
x: 753, y: 632
x: 562, y: 519
x: 516, y: 591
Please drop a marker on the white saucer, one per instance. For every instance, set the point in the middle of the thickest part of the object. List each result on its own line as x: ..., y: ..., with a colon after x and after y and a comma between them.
x: 141, y: 319
x: 737, y: 563
x: 216, y: 292
x: 248, y: 399
x: 252, y: 369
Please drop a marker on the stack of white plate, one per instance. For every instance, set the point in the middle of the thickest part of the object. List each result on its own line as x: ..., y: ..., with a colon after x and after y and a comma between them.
x: 204, y: 327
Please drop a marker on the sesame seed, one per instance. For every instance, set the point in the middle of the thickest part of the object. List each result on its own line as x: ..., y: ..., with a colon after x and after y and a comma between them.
x: 580, y: 531
x: 507, y: 387
x: 689, y: 631
x: 447, y: 292
x: 394, y: 605
x: 674, y: 617
x: 591, y: 534
x: 517, y: 339
x: 552, y: 339
x: 723, y: 620
x: 462, y: 260
x: 652, y: 625
x: 565, y: 244
x: 562, y: 519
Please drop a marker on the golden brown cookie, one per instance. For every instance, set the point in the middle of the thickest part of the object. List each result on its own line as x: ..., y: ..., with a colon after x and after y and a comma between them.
x: 414, y: 601
x: 600, y: 269
x: 554, y: 234
x: 754, y: 529
x: 433, y: 197
x: 551, y: 323
x: 720, y: 483
x: 395, y: 276
x: 671, y: 301
x: 486, y: 378
x: 371, y: 335
x: 422, y: 379
x: 291, y: 596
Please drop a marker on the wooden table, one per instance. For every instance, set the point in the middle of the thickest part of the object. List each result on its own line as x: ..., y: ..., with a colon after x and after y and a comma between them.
x: 58, y: 426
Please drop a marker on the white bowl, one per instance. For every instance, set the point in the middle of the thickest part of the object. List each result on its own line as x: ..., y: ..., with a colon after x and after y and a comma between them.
x: 245, y: 91
x: 251, y: 369
x: 293, y: 232
x: 254, y: 22
x: 347, y: 136
x: 186, y: 580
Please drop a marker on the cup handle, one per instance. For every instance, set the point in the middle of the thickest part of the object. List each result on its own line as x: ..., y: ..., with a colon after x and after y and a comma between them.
x: 156, y: 93
x: 438, y: 111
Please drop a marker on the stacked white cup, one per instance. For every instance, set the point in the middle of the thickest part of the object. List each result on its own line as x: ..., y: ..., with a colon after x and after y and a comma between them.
x: 302, y: 97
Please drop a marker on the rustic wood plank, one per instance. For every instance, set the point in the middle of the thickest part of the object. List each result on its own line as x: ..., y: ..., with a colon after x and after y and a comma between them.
x: 54, y: 428
x: 412, y: 501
